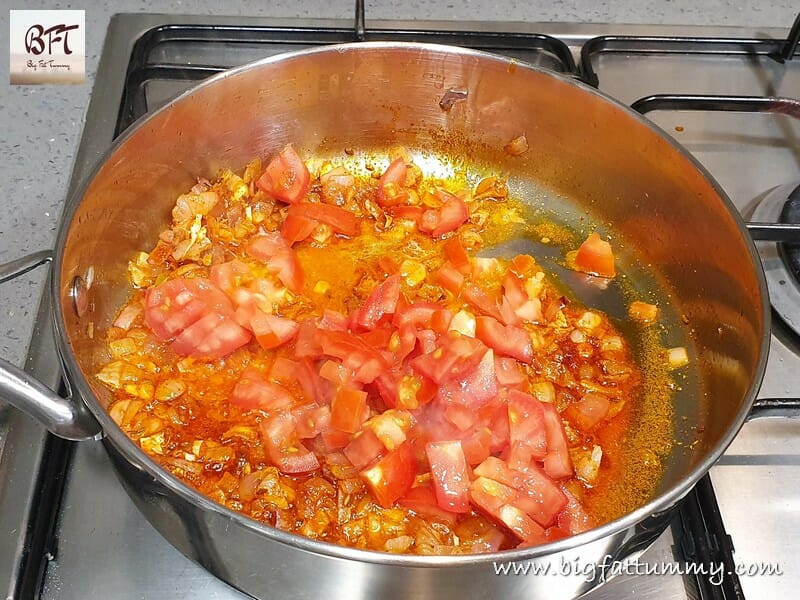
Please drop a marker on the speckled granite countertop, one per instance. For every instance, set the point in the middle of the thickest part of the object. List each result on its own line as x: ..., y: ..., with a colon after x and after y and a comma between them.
x: 41, y: 125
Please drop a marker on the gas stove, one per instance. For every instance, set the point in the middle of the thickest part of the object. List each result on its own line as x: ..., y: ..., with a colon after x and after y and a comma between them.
x: 68, y: 529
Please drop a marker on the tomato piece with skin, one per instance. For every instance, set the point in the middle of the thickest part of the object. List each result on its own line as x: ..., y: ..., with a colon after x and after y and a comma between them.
x: 508, y: 372
x: 214, y: 335
x: 476, y: 445
x: 459, y: 355
x: 422, y: 500
x: 286, y: 177
x: 505, y: 339
x: 283, y: 446
x: 228, y: 276
x: 312, y: 419
x: 481, y: 300
x: 557, y: 462
x: 448, y: 217
x: 381, y: 302
x: 526, y: 422
x: 495, y: 499
x: 574, y: 519
x: 449, y: 278
x: 595, y: 257
x: 539, y: 496
x: 272, y: 331
x: 178, y: 303
x: 364, y: 449
x: 284, y: 369
x: 392, y: 475
x: 314, y: 387
x: 340, y: 219
x: 450, y: 475
x: 348, y: 409
x: 296, y: 228
x: 407, y: 213
x: 476, y: 388
x: 307, y: 344
x: 391, y: 184
x: 253, y: 391
x: 457, y: 256
x: 280, y: 259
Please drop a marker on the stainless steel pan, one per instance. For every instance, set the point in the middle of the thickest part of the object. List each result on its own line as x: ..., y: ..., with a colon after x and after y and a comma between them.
x: 611, y: 163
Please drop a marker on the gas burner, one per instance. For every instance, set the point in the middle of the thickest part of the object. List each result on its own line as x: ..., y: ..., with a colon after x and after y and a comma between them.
x: 781, y: 260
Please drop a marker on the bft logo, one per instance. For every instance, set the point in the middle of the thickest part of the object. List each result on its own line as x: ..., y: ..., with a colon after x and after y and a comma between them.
x: 47, y: 46
x: 57, y: 34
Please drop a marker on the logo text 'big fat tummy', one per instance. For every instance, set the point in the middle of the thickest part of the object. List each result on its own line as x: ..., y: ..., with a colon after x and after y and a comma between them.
x: 47, y: 46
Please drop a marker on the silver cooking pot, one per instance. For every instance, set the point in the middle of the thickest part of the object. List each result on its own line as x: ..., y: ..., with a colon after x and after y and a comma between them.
x: 449, y: 102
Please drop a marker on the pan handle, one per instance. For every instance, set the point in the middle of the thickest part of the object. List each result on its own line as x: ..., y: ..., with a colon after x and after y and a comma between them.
x: 64, y: 417
x: 775, y: 408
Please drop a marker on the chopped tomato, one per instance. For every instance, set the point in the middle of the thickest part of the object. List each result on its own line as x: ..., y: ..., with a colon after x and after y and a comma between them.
x: 407, y: 213
x: 279, y: 257
x: 456, y: 356
x: 476, y: 388
x: 450, y: 475
x: 314, y: 387
x: 418, y: 314
x: 391, y: 476
x: 308, y: 344
x: 422, y: 500
x: 505, y: 339
x: 448, y: 217
x: 574, y: 519
x: 214, y: 335
x: 588, y: 411
x: 283, y: 446
x: 286, y: 177
x: 272, y: 331
x: 457, y: 255
x: 557, y: 462
x: 449, y: 278
x: 340, y: 219
x: 284, y: 369
x: 508, y: 372
x: 381, y: 302
x: 476, y: 445
x: 228, y: 275
x: 478, y: 298
x: 312, y: 419
x: 495, y: 499
x: 253, y: 391
x: 364, y: 449
x: 178, y: 303
x: 391, y: 184
x: 336, y: 373
x: 521, y: 525
x: 333, y: 321
x: 595, y: 257
x: 539, y: 496
x: 296, y: 228
x: 348, y: 409
x: 526, y: 422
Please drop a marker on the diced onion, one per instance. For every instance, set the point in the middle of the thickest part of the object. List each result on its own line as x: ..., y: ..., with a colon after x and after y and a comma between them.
x: 544, y: 391
x: 464, y: 323
x: 643, y: 312
x: 677, y: 357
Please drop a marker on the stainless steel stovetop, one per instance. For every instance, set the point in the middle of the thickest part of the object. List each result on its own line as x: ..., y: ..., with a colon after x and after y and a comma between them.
x: 67, y: 528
